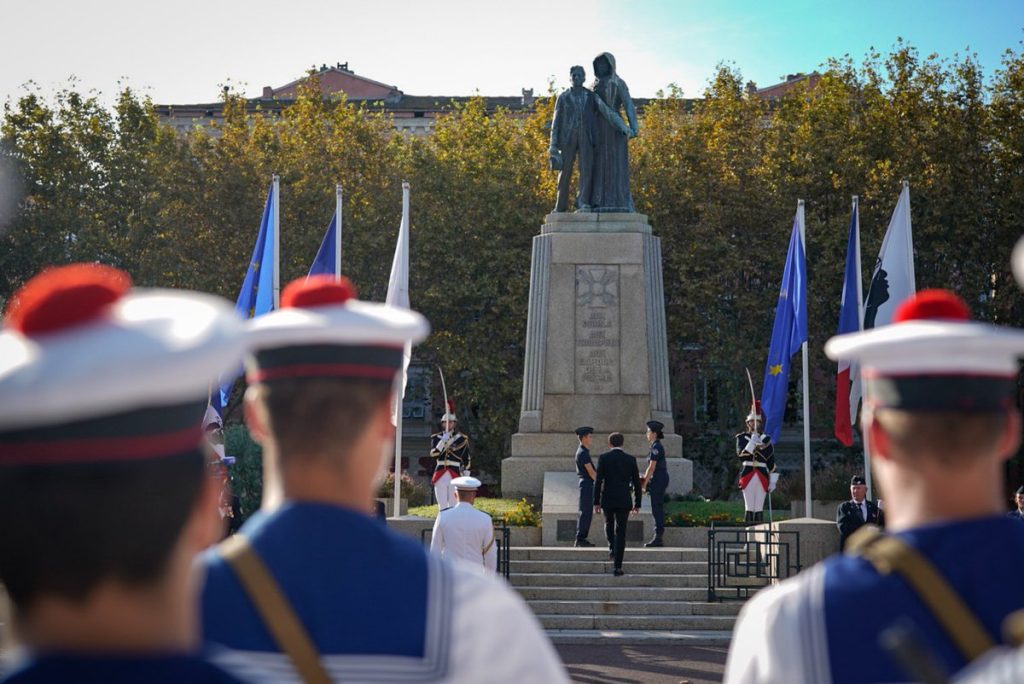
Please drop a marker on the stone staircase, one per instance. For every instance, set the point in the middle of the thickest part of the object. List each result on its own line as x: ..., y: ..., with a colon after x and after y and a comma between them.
x: 662, y: 597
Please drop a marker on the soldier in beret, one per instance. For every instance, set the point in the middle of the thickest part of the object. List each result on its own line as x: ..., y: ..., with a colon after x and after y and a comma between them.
x: 1018, y: 499
x: 655, y: 480
x: 586, y: 474
x: 858, y: 511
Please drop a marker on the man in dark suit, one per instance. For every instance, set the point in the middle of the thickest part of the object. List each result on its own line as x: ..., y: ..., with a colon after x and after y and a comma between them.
x: 617, y: 472
x: 857, y: 511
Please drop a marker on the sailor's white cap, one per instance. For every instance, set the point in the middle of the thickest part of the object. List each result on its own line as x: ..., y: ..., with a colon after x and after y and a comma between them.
x: 467, y: 483
x: 94, y: 370
x: 932, y: 357
x: 322, y: 330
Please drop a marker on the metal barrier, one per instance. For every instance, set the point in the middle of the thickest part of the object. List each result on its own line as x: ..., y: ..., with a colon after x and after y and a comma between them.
x: 502, y: 538
x: 742, y: 560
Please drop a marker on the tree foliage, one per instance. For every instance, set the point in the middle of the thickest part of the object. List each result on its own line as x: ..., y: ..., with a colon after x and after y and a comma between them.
x: 719, y: 178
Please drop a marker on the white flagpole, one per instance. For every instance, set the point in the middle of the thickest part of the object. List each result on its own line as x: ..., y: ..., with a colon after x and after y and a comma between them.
x: 400, y: 389
x: 807, y: 406
x: 855, y: 368
x: 398, y: 454
x: 337, y: 230
x: 910, y: 237
x: 277, y: 241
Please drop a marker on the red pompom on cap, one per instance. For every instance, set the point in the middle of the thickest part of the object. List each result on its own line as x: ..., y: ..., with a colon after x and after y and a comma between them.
x: 318, y: 290
x: 932, y: 305
x: 64, y: 297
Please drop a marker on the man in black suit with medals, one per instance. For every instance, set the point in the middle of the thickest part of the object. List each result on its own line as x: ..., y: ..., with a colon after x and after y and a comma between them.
x: 857, y: 511
x: 585, y: 472
x: 617, y: 473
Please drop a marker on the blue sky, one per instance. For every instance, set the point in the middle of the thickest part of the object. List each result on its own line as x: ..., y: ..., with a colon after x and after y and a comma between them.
x: 183, y: 51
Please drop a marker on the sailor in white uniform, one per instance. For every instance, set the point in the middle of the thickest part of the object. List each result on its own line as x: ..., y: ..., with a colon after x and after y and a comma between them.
x: 463, y: 533
x: 364, y: 604
x: 940, y: 413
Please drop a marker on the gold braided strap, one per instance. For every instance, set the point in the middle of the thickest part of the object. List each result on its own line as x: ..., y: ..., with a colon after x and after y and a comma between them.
x: 278, y: 616
x: 891, y: 555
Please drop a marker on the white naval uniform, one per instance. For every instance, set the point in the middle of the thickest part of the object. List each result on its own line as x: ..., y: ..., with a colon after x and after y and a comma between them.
x: 378, y: 606
x: 466, y: 534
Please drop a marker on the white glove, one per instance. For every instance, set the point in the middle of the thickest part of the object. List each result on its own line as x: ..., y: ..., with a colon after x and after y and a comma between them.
x: 757, y: 438
x: 749, y: 449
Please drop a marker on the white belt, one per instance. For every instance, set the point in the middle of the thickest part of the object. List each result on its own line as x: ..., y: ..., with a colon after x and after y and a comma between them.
x: 754, y: 464
x: 452, y: 464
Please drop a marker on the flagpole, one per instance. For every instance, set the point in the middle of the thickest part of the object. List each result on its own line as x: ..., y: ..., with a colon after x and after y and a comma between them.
x: 910, y: 236
x: 806, y: 377
x: 277, y: 241
x: 860, y: 326
x: 399, y: 397
x: 337, y: 232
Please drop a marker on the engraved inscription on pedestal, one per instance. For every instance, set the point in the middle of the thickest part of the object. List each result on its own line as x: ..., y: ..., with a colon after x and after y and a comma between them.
x: 597, y: 329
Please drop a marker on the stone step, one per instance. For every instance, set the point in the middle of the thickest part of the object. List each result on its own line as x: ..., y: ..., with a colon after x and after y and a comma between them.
x: 660, y: 622
x: 634, y: 608
x: 601, y: 564
x: 614, y: 593
x: 640, y: 636
x: 553, y: 553
x: 543, y: 579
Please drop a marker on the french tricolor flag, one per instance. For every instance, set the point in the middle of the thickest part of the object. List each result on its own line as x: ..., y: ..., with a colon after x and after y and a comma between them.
x: 850, y: 318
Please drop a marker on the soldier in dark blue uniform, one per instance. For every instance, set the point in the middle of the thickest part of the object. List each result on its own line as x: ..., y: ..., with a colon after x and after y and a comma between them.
x: 655, y: 480
x: 858, y: 511
x: 104, y: 494
x: 757, y: 454
x: 1018, y: 498
x: 585, y: 471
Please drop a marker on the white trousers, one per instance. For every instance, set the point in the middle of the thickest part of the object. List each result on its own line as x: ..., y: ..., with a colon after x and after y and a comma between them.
x: 753, y: 495
x: 444, y: 491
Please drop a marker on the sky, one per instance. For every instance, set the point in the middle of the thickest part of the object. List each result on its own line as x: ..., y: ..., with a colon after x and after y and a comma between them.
x: 183, y: 52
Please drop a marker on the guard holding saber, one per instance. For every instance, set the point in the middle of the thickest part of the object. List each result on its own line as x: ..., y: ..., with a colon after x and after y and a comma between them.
x: 757, y: 455
x: 450, y: 448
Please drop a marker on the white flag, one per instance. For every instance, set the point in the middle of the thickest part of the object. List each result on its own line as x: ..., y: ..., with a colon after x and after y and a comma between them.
x: 893, y: 278
x: 398, y: 293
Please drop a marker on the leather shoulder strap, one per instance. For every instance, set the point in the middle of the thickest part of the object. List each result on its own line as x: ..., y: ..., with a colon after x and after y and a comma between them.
x: 891, y: 555
x: 278, y: 616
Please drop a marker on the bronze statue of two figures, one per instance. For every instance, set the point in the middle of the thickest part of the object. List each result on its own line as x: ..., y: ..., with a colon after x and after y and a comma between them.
x: 588, y: 128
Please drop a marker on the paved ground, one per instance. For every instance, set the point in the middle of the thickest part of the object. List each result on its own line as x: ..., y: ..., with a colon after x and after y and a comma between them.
x: 645, y: 664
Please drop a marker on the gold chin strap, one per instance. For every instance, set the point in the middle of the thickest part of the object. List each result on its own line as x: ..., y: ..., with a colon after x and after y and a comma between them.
x: 890, y: 555
x: 278, y: 616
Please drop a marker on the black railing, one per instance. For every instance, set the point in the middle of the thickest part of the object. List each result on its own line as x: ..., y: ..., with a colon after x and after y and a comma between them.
x: 502, y: 537
x: 742, y: 560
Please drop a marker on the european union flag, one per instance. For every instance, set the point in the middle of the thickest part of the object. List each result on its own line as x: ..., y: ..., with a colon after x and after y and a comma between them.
x: 324, y: 263
x: 257, y: 294
x: 788, y: 333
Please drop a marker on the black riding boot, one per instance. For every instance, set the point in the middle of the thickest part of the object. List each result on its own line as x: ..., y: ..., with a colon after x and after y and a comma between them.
x: 656, y: 541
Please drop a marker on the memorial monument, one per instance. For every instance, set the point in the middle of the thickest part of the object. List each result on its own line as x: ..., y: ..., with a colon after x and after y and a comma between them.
x: 596, y: 346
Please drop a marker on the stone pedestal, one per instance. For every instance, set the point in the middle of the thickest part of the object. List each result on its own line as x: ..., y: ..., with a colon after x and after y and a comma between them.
x: 596, y: 348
